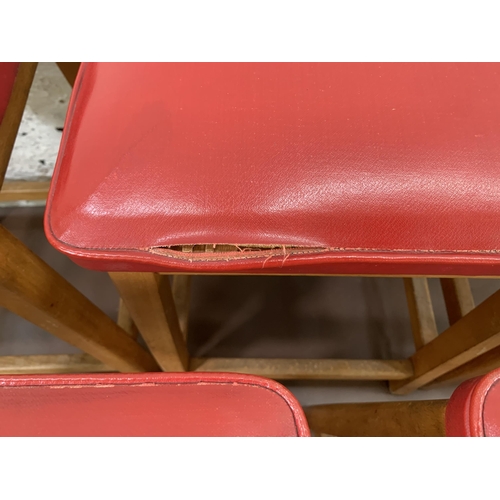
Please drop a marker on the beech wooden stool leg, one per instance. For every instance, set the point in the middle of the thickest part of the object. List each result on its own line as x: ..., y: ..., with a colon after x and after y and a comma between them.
x: 469, y: 347
x: 33, y: 290
x: 149, y: 299
x: 11, y: 119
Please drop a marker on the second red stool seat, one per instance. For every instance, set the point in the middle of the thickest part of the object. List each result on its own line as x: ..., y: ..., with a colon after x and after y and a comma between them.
x: 179, y: 404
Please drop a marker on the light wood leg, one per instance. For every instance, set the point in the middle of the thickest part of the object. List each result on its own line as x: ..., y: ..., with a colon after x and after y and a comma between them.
x: 459, y: 301
x: 478, y: 332
x: 481, y: 365
x: 392, y: 419
x: 125, y: 321
x: 149, y: 300
x: 181, y: 290
x: 423, y: 322
x: 9, y: 125
x: 33, y: 290
x: 458, y: 297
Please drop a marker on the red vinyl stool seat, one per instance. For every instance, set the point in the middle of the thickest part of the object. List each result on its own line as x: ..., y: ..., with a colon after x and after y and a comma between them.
x: 328, y: 168
x: 175, y: 404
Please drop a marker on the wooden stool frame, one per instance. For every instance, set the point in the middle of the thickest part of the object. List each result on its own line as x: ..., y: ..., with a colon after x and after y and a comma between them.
x: 469, y: 347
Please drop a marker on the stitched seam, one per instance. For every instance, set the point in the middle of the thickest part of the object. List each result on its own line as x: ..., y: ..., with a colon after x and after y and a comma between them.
x: 325, y: 250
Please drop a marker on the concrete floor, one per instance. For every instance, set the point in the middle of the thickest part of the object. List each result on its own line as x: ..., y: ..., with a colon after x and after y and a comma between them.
x: 320, y: 317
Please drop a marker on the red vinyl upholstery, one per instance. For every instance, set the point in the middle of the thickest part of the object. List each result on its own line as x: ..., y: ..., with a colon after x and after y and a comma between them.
x: 8, y: 72
x: 474, y: 408
x: 321, y: 168
x: 163, y: 404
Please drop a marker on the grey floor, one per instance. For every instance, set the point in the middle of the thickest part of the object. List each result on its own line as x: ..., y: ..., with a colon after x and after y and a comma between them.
x: 319, y: 317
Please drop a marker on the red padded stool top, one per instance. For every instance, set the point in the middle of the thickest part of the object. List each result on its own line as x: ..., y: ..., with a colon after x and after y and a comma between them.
x: 474, y: 408
x: 325, y: 168
x: 8, y: 72
x: 173, y: 404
